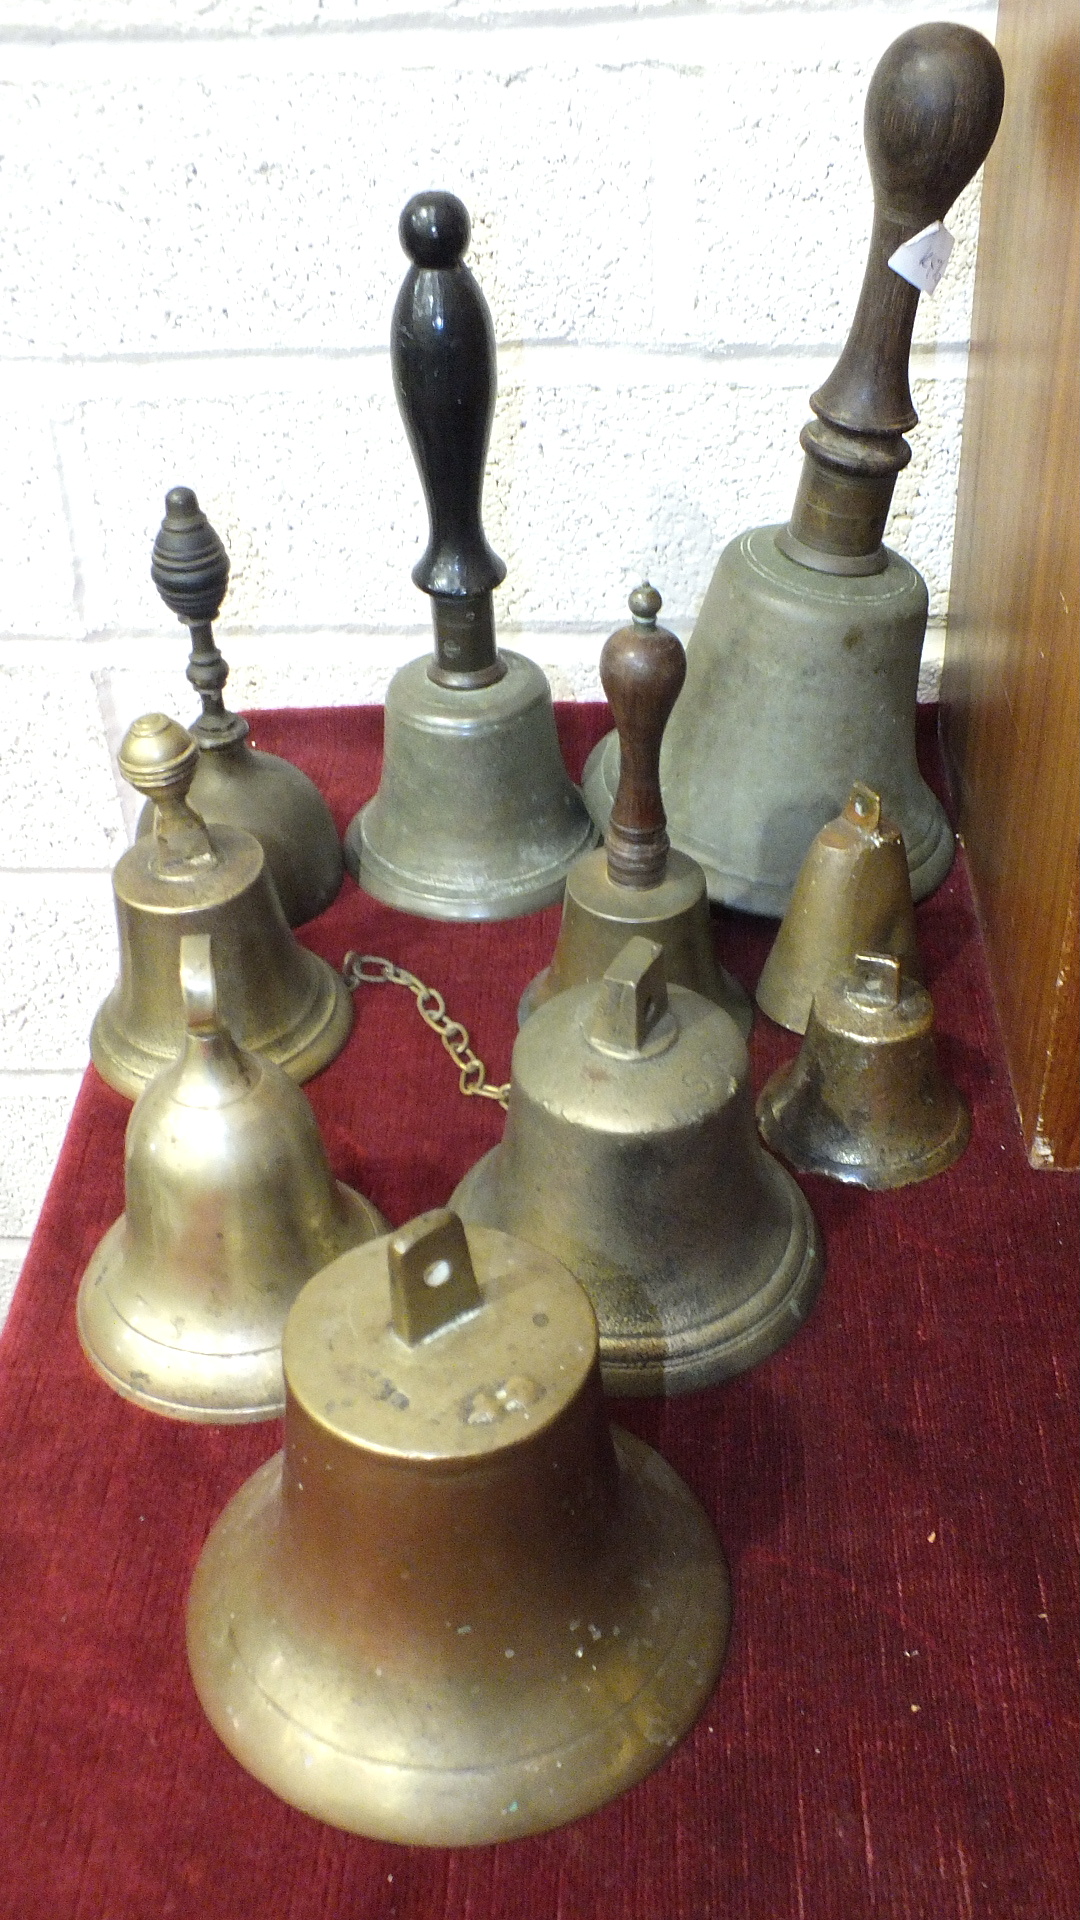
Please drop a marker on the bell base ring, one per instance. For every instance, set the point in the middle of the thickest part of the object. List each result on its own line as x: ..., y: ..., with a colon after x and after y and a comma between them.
x: 843, y: 1157
x: 218, y: 1389
x: 396, y: 888
x: 635, y: 1690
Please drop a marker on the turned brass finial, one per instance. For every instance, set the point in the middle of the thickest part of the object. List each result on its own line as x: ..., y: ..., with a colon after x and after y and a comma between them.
x: 158, y: 758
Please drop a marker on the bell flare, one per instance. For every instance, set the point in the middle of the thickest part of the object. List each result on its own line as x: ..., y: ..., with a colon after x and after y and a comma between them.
x: 600, y: 916
x: 457, y: 1607
x: 476, y: 817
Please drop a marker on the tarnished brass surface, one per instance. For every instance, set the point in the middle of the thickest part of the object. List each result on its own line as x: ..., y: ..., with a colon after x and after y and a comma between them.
x: 637, y: 1166
x: 230, y: 1207
x: 186, y: 878
x: 853, y: 895
x: 866, y: 1100
x: 456, y: 1609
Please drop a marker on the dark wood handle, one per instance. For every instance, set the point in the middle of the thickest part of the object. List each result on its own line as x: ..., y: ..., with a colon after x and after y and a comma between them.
x: 642, y: 669
x: 190, y: 569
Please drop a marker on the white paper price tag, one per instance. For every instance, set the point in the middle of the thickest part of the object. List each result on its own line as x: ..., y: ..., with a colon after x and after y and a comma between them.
x: 922, y: 259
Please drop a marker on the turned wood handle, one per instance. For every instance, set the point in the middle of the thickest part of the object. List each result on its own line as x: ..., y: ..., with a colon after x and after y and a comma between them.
x: 189, y: 566
x: 642, y: 669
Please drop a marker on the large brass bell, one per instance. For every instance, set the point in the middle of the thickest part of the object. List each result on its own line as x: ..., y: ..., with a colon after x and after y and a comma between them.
x: 476, y: 817
x: 457, y: 1608
x: 184, y: 877
x: 866, y: 1100
x: 229, y: 1208
x: 630, y: 1154
x: 234, y: 785
x: 853, y: 895
x: 803, y: 666
x: 635, y: 883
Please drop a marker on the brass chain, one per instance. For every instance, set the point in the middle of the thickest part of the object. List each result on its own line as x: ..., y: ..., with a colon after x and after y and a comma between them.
x: 371, y: 970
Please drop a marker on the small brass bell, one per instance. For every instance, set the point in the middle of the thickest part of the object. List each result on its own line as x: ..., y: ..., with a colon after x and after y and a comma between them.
x: 458, y: 1607
x: 276, y: 997
x: 476, y: 817
x: 853, y: 895
x: 630, y: 1155
x: 866, y: 1100
x: 635, y: 883
x: 234, y: 785
x: 230, y: 1207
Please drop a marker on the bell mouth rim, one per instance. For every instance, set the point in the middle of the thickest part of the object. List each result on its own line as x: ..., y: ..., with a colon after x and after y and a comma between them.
x: 886, y: 1177
x: 425, y: 895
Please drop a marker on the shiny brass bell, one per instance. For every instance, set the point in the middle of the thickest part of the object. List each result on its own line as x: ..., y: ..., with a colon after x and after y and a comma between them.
x: 458, y: 1607
x: 635, y: 883
x: 476, y: 817
x: 229, y: 1208
x: 630, y: 1154
x: 866, y: 1100
x: 853, y: 895
x: 276, y: 997
x: 234, y: 785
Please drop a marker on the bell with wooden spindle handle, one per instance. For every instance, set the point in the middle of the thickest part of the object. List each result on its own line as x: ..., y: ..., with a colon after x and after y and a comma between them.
x: 803, y: 667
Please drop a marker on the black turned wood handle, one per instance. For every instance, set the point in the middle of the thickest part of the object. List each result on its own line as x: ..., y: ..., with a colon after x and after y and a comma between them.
x: 190, y: 569
x: 642, y: 669
x: 443, y: 356
x: 932, y: 111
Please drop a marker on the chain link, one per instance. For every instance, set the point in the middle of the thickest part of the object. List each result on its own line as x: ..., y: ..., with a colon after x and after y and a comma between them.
x: 371, y: 970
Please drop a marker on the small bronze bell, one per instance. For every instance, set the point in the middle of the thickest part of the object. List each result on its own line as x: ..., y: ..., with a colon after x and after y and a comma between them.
x: 235, y: 786
x: 276, y: 997
x: 853, y: 895
x: 630, y: 1154
x: 457, y: 1608
x: 866, y: 1101
x: 229, y: 1208
x: 635, y: 884
x: 475, y: 817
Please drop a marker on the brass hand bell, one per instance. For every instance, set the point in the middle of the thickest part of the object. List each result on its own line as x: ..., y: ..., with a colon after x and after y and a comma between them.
x: 234, y: 785
x: 852, y: 895
x: 184, y: 877
x: 229, y: 1208
x: 803, y: 666
x: 458, y: 1607
x: 635, y: 883
x: 475, y: 817
x: 630, y: 1155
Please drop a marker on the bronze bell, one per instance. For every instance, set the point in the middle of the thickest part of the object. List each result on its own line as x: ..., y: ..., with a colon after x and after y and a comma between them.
x: 635, y: 883
x: 630, y: 1154
x: 866, y: 1101
x: 234, y: 785
x: 229, y: 1208
x: 476, y: 817
x: 276, y: 997
x: 853, y: 895
x: 458, y: 1607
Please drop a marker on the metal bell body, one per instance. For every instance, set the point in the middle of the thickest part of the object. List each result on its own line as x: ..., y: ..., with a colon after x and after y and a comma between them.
x: 865, y: 1101
x: 798, y: 683
x: 476, y: 817
x: 853, y: 895
x: 456, y: 1608
x: 639, y: 1168
x: 230, y: 1207
x: 600, y: 917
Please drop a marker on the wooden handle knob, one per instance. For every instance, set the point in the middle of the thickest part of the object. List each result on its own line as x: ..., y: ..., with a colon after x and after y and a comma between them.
x: 189, y: 566
x: 932, y: 112
x: 642, y: 669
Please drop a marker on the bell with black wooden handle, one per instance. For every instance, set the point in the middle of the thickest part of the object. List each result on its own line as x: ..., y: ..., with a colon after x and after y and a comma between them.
x: 476, y: 817
x: 235, y: 785
x: 636, y: 882
x: 803, y: 667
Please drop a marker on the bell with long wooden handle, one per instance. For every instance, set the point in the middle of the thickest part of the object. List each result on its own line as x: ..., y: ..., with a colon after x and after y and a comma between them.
x: 458, y: 1607
x: 866, y: 1101
x: 229, y: 1207
x: 476, y: 817
x: 635, y: 882
x: 630, y: 1154
x: 235, y: 785
x: 853, y: 895
x: 803, y: 666
x: 276, y: 998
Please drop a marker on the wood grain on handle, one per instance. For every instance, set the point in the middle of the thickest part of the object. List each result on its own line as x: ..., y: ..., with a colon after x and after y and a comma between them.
x: 642, y: 669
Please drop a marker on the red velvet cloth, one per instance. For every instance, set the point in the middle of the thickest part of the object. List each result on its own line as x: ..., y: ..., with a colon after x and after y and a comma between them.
x: 890, y: 1736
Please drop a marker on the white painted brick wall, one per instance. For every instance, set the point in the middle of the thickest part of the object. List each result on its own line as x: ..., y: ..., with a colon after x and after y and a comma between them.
x: 199, y: 259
